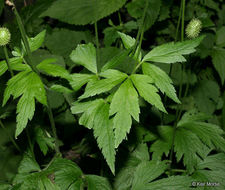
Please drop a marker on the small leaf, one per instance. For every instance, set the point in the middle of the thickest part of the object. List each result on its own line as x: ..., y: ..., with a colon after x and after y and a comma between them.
x: 28, y: 164
x: 124, y: 105
x: 85, y: 55
x: 147, y: 90
x: 128, y: 41
x: 173, y: 52
x: 48, y: 67
x: 113, y: 78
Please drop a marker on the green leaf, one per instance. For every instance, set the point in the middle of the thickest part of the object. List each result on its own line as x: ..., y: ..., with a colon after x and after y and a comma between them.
x: 28, y: 164
x: 103, y: 132
x: 211, y: 170
x: 147, y: 90
x: 36, y: 42
x: 206, y: 96
x: 113, y: 78
x: 51, y: 69
x: 173, y: 52
x: 220, y: 39
x: 43, y: 140
x: 60, y: 88
x: 15, y: 64
x: 66, y: 173
x: 210, y: 134
x: 146, y: 172
x: 97, y: 182
x: 136, y: 7
x: 161, y: 80
x: 62, y: 41
x: 173, y: 182
x: 188, y: 145
x: 82, y: 12
x: 78, y: 80
x: 85, y: 55
x: 116, y: 60
x: 28, y: 85
x: 128, y: 41
x: 218, y: 56
x: 124, y: 105
x: 88, y: 109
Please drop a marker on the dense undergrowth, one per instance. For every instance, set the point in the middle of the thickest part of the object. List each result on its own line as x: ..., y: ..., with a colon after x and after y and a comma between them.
x: 112, y: 94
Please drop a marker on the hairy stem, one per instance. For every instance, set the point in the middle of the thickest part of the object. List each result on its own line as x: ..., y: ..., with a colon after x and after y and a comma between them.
x: 7, y: 60
x: 10, y: 137
x: 34, y: 69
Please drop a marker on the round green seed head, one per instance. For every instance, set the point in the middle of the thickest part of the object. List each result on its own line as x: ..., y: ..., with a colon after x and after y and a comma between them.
x: 193, y: 29
x: 5, y: 36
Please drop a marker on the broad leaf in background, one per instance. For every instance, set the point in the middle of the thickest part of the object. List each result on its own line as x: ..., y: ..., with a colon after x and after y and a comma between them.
x: 206, y: 96
x: 124, y: 105
x: 211, y: 169
x: 193, y: 141
x: 63, y: 41
x: 29, y: 86
x: 172, y: 52
x: 67, y: 175
x: 218, y: 58
x: 135, y: 9
x: 85, y: 55
x: 82, y: 12
x: 97, y: 182
x: 143, y: 83
x: 161, y: 80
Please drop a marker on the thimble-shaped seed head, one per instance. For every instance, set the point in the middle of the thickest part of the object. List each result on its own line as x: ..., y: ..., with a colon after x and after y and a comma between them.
x: 193, y: 28
x: 5, y: 36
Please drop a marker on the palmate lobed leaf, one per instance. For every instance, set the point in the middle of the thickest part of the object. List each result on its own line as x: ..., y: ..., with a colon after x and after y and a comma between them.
x: 28, y: 85
x: 124, y: 105
x: 82, y: 12
x: 172, y: 52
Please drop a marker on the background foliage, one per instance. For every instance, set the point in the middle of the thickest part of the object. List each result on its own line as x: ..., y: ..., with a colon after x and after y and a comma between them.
x: 111, y: 94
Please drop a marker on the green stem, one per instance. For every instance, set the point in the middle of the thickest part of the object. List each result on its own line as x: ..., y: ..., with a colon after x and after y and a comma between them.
x: 7, y: 60
x: 97, y: 44
x: 178, y: 23
x: 30, y: 143
x: 141, y: 27
x: 10, y: 137
x: 179, y: 110
x: 34, y: 69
